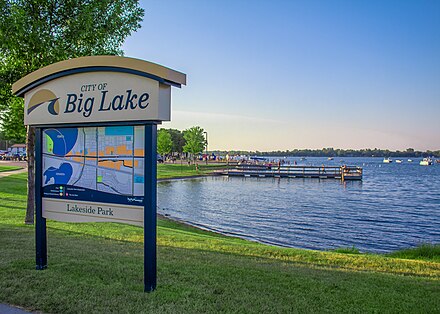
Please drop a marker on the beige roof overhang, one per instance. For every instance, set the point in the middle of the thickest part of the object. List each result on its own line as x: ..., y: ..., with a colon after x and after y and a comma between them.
x: 98, y: 63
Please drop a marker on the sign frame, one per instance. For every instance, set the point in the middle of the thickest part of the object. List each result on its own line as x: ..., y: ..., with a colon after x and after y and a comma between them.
x: 166, y: 79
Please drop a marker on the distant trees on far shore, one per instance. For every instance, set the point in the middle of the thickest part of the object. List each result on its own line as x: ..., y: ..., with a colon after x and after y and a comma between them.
x: 193, y: 141
x: 336, y: 152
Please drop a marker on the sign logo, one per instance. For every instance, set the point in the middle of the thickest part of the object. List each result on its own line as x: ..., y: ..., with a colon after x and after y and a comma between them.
x: 42, y: 97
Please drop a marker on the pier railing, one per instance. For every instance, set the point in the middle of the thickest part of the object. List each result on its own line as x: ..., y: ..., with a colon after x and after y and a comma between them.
x: 295, y: 171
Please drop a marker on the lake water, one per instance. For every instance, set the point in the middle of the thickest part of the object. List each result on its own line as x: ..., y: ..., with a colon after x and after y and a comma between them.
x: 395, y: 206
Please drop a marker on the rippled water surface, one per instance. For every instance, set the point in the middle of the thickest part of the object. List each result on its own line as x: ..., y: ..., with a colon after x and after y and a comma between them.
x: 395, y: 206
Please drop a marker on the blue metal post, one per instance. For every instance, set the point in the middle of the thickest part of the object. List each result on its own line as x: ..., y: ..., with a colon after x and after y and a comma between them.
x: 40, y: 222
x: 150, y: 194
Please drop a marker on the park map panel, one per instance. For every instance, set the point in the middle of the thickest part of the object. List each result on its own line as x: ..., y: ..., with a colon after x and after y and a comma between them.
x: 102, y: 164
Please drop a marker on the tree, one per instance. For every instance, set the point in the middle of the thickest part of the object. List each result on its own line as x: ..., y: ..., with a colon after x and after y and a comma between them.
x: 12, y: 122
x: 195, y: 140
x: 164, y: 142
x: 36, y: 33
x: 178, y: 140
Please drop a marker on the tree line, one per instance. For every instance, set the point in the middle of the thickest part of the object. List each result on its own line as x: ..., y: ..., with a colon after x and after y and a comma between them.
x: 337, y: 152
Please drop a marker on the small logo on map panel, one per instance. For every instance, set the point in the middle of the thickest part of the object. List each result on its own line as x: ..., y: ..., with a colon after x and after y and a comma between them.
x: 42, y: 97
x: 134, y: 199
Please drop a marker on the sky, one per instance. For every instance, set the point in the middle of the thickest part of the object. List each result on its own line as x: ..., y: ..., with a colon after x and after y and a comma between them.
x: 283, y: 75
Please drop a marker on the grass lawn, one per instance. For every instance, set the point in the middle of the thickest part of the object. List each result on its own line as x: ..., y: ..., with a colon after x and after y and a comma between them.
x: 164, y: 171
x: 8, y: 168
x: 98, y: 268
x: 178, y: 170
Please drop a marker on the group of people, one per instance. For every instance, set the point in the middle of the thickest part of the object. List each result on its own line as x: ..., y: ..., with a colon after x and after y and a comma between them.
x: 13, y: 157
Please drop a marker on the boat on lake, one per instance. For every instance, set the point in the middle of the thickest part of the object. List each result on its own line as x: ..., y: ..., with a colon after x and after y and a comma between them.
x: 410, y: 160
x: 387, y: 160
x: 399, y: 161
x: 330, y: 158
x: 426, y: 162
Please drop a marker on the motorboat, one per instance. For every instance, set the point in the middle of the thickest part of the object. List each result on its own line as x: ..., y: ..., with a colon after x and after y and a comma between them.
x: 330, y: 158
x: 426, y: 162
x: 410, y: 160
x: 387, y: 160
x: 399, y: 161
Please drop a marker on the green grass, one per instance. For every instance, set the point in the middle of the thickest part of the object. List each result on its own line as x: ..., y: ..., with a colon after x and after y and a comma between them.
x: 347, y: 250
x: 178, y: 170
x: 8, y: 168
x: 98, y: 268
x: 424, y: 251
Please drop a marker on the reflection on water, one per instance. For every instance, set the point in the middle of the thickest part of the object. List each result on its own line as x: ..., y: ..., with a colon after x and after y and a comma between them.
x: 395, y: 206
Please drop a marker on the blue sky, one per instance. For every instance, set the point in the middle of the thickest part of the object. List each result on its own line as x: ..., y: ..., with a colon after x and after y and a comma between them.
x: 276, y: 75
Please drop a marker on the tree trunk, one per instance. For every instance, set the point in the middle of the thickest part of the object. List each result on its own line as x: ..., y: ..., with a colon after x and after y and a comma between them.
x: 30, y: 151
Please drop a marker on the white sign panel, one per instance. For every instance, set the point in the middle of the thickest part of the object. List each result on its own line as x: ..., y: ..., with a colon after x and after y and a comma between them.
x: 97, y: 97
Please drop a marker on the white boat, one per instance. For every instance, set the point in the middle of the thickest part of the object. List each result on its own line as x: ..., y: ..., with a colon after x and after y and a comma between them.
x: 387, y: 160
x: 399, y: 161
x: 410, y: 160
x: 426, y: 162
x: 330, y: 158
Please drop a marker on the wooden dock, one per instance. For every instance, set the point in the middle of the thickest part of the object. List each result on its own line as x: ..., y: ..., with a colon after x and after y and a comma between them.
x: 274, y: 171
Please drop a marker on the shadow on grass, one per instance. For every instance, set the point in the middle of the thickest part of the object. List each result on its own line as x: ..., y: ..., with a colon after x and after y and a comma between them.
x: 211, y: 243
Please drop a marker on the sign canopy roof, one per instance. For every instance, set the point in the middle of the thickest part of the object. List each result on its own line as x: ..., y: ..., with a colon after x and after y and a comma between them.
x: 99, y: 63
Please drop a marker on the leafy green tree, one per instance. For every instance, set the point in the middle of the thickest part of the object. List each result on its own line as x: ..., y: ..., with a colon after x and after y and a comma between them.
x: 36, y: 33
x: 12, y: 124
x: 195, y: 140
x: 164, y: 142
x: 178, y: 140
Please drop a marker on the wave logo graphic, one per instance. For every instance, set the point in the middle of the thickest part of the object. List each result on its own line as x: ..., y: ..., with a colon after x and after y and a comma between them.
x: 134, y: 199
x: 42, y: 97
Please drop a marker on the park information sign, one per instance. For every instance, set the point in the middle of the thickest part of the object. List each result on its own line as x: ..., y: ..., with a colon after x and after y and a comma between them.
x: 94, y: 174
x: 95, y: 150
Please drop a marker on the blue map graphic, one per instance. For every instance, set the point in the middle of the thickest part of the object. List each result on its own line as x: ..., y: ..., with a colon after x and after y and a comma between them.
x: 60, y: 175
x: 63, y: 140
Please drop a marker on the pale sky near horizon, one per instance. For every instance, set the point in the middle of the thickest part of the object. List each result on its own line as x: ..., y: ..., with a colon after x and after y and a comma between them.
x: 278, y: 75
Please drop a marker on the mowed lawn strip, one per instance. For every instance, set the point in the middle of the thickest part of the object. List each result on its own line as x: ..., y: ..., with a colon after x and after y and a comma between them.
x: 9, y: 168
x: 179, y: 170
x: 98, y: 267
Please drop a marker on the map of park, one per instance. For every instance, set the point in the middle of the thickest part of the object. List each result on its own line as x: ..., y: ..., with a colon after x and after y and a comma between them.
x: 106, y: 159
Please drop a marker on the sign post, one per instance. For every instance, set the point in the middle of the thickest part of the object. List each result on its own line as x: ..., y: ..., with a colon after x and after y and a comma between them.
x: 150, y: 260
x: 95, y: 150
x: 40, y: 221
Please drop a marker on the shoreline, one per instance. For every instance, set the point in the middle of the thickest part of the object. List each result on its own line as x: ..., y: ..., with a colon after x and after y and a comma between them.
x: 186, y: 177
x: 226, y: 234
